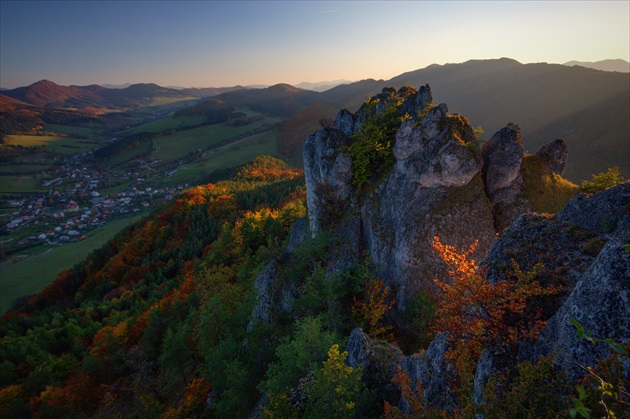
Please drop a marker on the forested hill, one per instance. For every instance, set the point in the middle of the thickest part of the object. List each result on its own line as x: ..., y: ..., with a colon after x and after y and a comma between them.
x: 154, y: 321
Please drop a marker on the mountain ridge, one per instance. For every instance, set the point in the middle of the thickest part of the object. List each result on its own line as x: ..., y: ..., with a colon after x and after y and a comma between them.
x: 618, y: 65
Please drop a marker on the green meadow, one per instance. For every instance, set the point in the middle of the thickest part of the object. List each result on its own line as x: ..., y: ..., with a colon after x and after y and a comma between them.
x: 177, y: 145
x: 87, y: 131
x: 10, y: 184
x: 169, y: 122
x: 30, y: 274
x: 8, y: 169
x: 231, y: 155
x: 57, y: 144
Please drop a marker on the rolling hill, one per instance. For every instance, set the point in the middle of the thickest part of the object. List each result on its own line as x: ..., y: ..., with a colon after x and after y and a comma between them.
x: 621, y: 66
x: 46, y: 93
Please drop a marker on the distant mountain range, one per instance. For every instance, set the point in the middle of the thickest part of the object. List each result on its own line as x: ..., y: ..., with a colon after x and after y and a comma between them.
x: 45, y: 93
x: 322, y: 86
x: 621, y: 66
x: 587, y: 108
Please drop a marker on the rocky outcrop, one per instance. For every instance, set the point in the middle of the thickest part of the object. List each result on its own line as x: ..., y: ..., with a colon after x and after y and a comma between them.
x: 433, y: 373
x: 328, y: 176
x: 556, y: 154
x: 587, y: 256
x: 606, y: 212
x: 502, y: 159
x: 274, y: 296
x: 379, y: 361
x: 441, y: 184
x: 434, y: 188
x: 601, y: 303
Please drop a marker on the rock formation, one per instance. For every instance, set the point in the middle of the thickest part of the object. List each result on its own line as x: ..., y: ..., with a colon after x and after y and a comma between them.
x: 440, y: 183
x: 556, y: 153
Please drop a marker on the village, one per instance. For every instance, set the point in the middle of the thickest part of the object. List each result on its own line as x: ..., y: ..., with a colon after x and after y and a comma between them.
x: 75, y: 204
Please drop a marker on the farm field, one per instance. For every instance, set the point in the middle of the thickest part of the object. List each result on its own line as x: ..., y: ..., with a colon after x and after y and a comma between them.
x: 167, y: 123
x: 33, y: 272
x: 171, y: 147
x: 8, y: 169
x: 11, y: 184
x: 73, y: 130
x: 231, y: 155
x: 61, y: 145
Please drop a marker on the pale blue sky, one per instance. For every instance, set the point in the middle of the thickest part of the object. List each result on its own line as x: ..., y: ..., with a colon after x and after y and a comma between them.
x: 213, y: 43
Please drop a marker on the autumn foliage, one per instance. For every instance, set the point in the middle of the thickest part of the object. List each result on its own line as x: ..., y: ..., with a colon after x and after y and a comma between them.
x: 370, y: 310
x: 478, y: 314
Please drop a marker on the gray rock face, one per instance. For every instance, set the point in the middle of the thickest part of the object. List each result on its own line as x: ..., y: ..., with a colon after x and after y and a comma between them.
x: 409, y: 208
x: 264, y: 292
x: 502, y: 158
x: 434, y: 188
x: 345, y: 122
x: 605, y: 212
x: 274, y: 298
x: 328, y: 174
x: 601, y: 303
x: 409, y: 139
x: 433, y: 373
x: 379, y: 361
x: 556, y: 153
x: 299, y: 234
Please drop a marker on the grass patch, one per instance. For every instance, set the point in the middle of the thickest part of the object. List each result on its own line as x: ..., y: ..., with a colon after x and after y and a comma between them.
x: 128, y: 155
x: 20, y: 184
x: 228, y: 156
x: 61, y: 145
x: 9, y: 169
x: 175, y: 146
x: 169, y: 122
x: 73, y: 130
x: 548, y: 192
x: 31, y: 274
x: 166, y: 101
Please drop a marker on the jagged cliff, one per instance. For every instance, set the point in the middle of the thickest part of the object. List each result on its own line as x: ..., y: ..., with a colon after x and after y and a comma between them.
x: 441, y: 183
x: 440, y: 180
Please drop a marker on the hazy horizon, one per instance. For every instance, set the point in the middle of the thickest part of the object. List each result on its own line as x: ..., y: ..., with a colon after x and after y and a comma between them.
x: 219, y: 44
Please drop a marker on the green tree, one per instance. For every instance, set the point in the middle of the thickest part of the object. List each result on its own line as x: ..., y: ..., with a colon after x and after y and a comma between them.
x: 298, y: 355
x: 337, y: 390
x: 612, y: 177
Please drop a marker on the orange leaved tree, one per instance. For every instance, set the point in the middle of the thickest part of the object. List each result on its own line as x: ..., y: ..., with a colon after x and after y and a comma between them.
x: 478, y: 314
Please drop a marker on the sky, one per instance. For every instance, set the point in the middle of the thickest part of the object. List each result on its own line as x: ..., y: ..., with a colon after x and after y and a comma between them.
x: 215, y: 44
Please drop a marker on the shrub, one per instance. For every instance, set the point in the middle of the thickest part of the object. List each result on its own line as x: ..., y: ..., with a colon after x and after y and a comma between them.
x: 548, y: 192
x: 298, y: 354
x: 602, y: 181
x: 480, y: 315
x: 371, y: 150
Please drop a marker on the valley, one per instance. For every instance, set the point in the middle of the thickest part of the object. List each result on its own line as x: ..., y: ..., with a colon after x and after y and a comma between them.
x: 74, y: 159
x: 57, y: 191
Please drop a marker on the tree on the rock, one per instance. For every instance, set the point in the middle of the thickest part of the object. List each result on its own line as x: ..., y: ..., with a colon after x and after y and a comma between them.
x: 478, y: 314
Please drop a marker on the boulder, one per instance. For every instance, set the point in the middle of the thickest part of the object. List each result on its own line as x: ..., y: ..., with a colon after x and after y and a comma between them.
x: 502, y: 158
x: 379, y: 361
x: 605, y: 212
x: 600, y: 302
x: 556, y: 153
